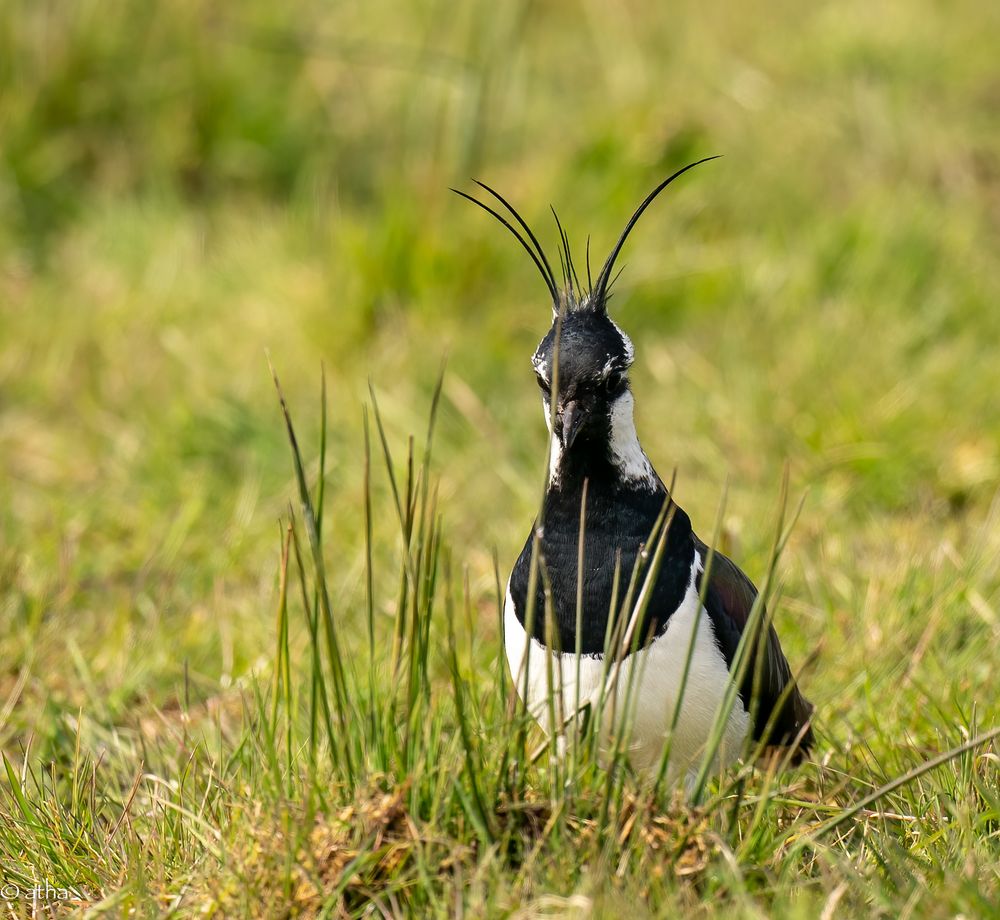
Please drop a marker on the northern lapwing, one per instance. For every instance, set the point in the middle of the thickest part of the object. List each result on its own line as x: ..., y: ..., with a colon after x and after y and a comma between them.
x: 582, y: 369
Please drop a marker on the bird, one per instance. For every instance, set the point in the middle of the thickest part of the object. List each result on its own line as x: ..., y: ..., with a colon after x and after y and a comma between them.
x: 684, y: 643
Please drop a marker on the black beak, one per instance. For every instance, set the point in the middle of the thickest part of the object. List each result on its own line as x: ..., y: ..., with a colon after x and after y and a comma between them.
x: 571, y: 420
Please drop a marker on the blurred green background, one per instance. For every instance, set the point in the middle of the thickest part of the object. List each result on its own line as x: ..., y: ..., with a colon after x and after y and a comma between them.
x: 186, y: 185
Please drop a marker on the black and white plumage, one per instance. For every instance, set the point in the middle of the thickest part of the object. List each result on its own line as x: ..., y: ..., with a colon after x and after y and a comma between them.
x: 593, y: 441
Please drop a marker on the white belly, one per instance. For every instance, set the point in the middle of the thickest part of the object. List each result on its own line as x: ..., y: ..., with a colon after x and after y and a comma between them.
x: 655, y: 692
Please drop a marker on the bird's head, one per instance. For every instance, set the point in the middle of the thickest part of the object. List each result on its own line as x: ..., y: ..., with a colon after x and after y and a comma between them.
x: 582, y: 362
x: 589, y: 373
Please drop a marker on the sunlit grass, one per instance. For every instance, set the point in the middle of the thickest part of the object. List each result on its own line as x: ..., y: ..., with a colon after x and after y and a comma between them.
x: 371, y: 770
x: 185, y: 193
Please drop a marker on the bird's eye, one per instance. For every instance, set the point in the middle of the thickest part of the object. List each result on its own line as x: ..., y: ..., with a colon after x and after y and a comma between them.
x: 614, y: 382
x: 542, y: 385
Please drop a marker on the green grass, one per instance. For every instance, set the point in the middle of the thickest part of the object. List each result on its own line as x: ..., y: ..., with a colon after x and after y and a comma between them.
x: 190, y: 724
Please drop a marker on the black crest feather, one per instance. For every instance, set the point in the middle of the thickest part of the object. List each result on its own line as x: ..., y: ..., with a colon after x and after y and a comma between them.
x: 595, y: 299
x: 599, y: 294
x: 537, y: 254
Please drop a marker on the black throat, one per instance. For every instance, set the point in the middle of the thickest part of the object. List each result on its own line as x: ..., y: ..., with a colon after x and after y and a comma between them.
x: 620, y: 514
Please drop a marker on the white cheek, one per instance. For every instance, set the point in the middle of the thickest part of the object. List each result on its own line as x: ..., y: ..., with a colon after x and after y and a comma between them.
x: 626, y: 343
x: 555, y: 448
x: 626, y: 451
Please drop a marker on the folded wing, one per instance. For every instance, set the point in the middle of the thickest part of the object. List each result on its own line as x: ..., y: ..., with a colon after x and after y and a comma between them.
x: 767, y: 689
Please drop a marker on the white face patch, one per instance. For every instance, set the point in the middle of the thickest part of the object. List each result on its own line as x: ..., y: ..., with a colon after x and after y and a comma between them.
x: 626, y: 451
x: 555, y: 446
x: 626, y: 344
x: 541, y: 367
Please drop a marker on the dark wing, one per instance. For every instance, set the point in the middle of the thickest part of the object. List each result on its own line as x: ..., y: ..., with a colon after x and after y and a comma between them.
x: 729, y: 598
